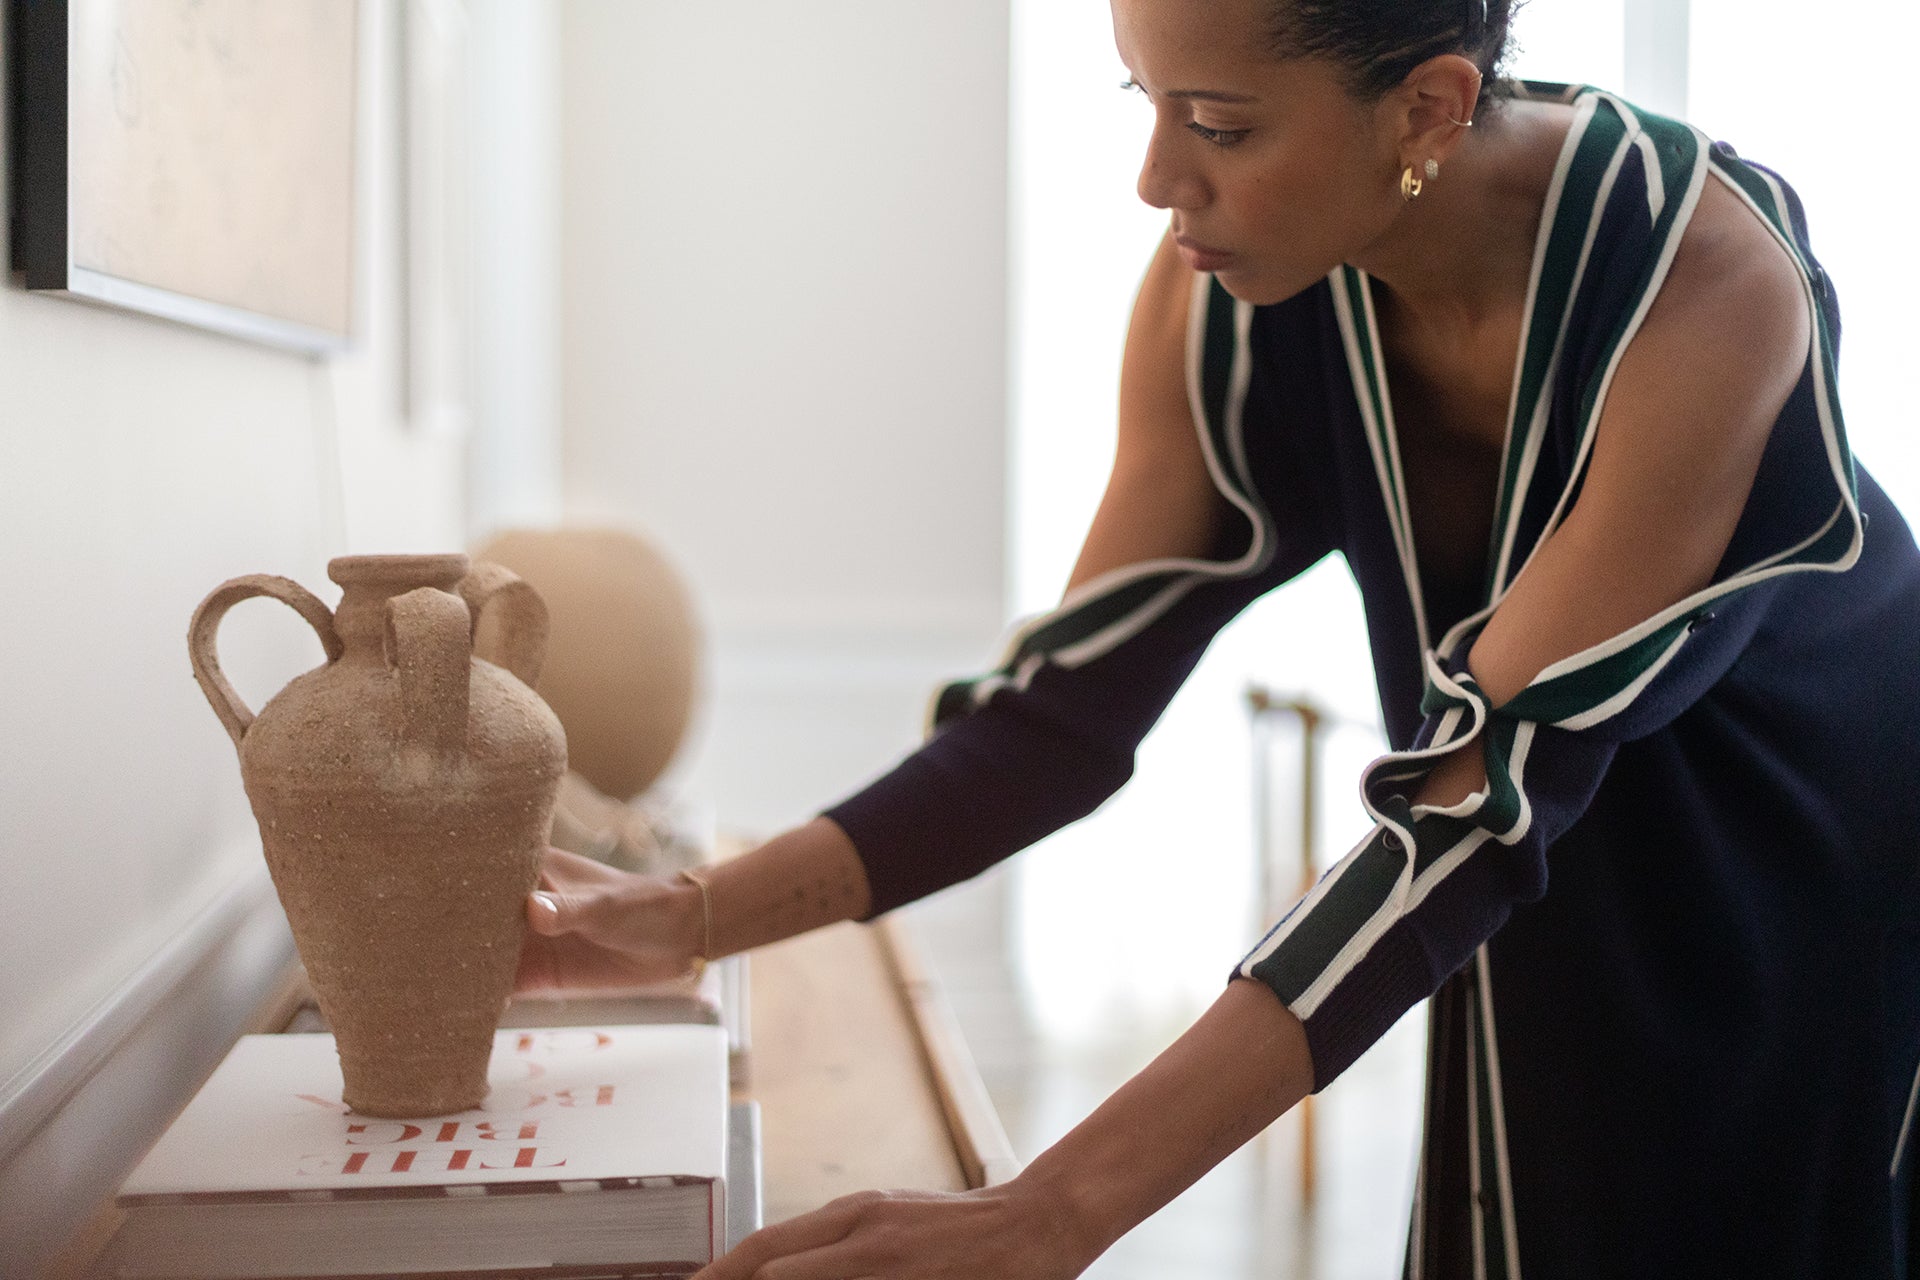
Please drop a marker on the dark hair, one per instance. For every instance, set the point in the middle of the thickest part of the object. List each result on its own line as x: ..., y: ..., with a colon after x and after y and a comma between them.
x: 1377, y: 42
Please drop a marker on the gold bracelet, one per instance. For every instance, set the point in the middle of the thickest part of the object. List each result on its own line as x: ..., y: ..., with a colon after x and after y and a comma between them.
x: 699, y: 880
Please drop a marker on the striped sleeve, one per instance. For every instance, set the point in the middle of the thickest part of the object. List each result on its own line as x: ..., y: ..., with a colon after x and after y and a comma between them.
x: 1410, y: 904
x: 1050, y: 732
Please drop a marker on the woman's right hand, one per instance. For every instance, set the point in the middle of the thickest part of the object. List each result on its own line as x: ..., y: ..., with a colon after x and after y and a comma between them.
x: 596, y: 930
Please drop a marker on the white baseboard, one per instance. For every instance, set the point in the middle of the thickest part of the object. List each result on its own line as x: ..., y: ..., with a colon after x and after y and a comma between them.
x: 76, y: 1119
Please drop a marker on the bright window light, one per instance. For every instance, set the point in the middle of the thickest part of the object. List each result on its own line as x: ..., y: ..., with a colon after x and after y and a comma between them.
x: 1817, y: 101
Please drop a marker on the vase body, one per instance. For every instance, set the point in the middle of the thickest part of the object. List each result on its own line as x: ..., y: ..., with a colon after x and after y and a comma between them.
x: 404, y: 792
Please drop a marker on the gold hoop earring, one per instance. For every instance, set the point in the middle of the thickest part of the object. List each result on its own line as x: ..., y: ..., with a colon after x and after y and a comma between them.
x: 1409, y: 186
x: 1478, y: 80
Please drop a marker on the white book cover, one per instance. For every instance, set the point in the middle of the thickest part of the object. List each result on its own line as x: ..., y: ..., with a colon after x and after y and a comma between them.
x: 573, y: 1108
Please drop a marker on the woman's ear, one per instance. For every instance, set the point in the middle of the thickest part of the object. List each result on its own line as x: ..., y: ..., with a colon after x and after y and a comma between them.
x: 1429, y: 113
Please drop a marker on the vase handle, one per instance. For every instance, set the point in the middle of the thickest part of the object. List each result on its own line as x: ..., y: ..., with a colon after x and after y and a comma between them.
x: 509, y: 620
x: 428, y: 649
x: 203, y: 632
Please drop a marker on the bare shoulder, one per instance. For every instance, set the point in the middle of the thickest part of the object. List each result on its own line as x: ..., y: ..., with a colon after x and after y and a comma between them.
x: 1730, y: 327
x: 1705, y: 378
x: 1678, y: 445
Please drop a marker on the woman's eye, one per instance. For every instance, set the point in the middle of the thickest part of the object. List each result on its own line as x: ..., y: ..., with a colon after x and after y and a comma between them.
x: 1218, y: 137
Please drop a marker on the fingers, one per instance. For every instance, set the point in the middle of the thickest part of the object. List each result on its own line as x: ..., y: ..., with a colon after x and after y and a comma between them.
x: 816, y: 1264
x: 593, y: 913
x: 560, y: 868
x: 836, y: 1262
x: 591, y: 926
x: 627, y: 912
x: 543, y: 906
x: 778, y: 1245
x: 569, y: 896
x: 543, y: 913
x: 535, y: 973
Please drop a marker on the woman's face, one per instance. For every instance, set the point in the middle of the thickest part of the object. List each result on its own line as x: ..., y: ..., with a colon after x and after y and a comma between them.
x: 1273, y: 174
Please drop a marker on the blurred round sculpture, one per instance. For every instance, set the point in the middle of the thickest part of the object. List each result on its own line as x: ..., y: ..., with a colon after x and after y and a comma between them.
x: 622, y: 649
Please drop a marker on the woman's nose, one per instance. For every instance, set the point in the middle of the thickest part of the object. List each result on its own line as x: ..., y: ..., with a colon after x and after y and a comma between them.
x: 1165, y: 183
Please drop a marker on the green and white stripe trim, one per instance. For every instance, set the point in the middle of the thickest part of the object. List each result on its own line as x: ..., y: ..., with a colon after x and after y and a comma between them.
x: 1381, y: 881
x: 1493, y: 1224
x: 1409, y: 854
x: 1587, y: 688
x: 1413, y: 849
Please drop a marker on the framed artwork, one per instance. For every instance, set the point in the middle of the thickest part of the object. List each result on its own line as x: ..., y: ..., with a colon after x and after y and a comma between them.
x: 192, y: 159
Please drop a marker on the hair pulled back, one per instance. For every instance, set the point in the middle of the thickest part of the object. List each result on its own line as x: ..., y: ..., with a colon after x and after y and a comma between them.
x: 1377, y: 42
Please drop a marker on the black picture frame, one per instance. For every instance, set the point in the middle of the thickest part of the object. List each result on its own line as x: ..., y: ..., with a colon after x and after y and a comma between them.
x: 49, y: 202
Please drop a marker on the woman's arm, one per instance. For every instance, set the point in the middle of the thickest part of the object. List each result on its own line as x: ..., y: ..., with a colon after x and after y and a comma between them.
x: 1230, y: 1076
x: 598, y: 929
x: 594, y: 928
x: 1675, y: 454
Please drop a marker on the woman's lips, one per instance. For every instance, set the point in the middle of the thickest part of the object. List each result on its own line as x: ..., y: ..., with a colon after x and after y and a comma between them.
x: 1201, y: 257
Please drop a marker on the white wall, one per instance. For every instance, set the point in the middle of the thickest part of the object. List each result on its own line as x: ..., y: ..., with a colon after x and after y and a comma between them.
x: 514, y: 451
x: 141, y: 463
x: 784, y: 314
x: 1822, y: 138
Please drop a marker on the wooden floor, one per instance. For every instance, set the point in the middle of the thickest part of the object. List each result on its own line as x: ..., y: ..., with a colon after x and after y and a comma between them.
x: 1247, y: 1220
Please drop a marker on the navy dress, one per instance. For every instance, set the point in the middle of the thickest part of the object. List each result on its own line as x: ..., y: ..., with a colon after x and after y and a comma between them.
x: 1674, y: 946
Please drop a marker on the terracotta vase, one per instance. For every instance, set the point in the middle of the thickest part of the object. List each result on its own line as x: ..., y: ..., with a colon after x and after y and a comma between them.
x: 624, y: 655
x: 404, y: 791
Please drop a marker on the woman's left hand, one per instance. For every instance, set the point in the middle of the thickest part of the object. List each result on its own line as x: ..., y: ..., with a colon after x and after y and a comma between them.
x: 1003, y: 1232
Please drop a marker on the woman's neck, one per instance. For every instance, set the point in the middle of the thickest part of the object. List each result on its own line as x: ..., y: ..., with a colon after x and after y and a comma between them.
x: 1462, y: 253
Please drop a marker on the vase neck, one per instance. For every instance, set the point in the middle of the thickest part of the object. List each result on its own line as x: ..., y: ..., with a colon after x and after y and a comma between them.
x: 368, y: 582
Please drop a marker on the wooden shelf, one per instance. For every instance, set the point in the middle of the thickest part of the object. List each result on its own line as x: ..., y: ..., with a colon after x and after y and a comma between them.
x: 861, y: 1076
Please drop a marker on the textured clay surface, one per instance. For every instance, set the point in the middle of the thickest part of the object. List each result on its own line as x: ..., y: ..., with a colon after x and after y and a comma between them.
x: 404, y: 793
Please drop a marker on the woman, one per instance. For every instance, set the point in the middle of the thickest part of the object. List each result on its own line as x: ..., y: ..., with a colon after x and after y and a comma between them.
x: 1556, y: 377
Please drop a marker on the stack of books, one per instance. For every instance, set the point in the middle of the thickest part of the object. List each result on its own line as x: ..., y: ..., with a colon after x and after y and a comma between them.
x: 599, y: 1152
